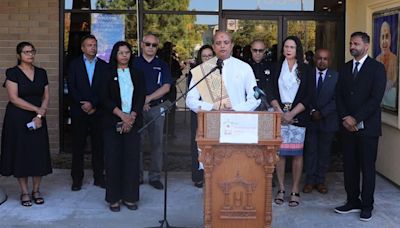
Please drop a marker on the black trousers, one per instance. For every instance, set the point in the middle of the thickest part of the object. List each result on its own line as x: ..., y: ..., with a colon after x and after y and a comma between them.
x: 317, y: 155
x: 82, y: 127
x: 359, y: 153
x: 197, y: 175
x: 122, y: 165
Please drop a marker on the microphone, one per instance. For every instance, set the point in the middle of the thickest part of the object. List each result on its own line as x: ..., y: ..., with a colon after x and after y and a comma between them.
x: 258, y: 93
x: 220, y: 64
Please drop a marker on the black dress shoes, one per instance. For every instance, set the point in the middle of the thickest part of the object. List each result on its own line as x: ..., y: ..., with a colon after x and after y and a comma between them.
x: 76, y: 185
x: 100, y: 182
x: 115, y: 208
x: 156, y: 184
x: 130, y: 206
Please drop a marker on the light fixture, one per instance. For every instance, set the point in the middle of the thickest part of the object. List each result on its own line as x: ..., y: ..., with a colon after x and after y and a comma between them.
x: 340, y: 2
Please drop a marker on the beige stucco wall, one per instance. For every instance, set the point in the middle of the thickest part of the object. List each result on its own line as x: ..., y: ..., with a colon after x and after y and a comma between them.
x: 359, y: 18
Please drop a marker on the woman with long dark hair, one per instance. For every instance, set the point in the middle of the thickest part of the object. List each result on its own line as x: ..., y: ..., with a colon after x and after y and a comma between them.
x: 290, y: 97
x: 25, y: 141
x: 122, y: 99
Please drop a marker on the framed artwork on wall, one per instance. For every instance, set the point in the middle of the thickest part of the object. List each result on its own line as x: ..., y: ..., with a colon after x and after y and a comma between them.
x: 386, y: 50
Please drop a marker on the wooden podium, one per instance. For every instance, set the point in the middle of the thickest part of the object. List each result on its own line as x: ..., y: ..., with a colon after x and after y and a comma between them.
x: 238, y: 177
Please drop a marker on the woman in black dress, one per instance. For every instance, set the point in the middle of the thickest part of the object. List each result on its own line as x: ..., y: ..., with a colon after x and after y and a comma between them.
x: 25, y: 141
x: 122, y: 99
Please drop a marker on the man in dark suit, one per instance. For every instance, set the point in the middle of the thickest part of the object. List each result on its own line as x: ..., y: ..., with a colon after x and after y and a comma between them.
x: 324, y: 123
x: 360, y: 90
x: 84, y: 82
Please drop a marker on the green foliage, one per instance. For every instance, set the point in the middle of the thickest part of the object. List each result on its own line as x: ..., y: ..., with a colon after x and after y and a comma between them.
x: 181, y: 30
x: 256, y: 29
x: 116, y: 4
x: 306, y: 31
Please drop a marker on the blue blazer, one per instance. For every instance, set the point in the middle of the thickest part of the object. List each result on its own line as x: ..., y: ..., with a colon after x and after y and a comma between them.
x: 361, y: 97
x: 79, y: 88
x: 325, y: 102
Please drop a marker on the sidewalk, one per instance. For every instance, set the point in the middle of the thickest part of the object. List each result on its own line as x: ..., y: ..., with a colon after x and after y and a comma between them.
x: 87, y: 208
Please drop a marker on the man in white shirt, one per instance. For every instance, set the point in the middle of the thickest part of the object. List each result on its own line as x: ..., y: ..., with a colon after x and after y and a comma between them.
x: 237, y: 76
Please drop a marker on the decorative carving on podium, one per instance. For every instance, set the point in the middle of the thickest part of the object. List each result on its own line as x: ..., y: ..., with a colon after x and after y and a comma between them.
x: 238, y: 198
x: 220, y: 154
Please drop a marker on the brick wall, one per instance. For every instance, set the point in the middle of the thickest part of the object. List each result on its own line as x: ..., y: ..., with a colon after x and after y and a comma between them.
x: 36, y: 21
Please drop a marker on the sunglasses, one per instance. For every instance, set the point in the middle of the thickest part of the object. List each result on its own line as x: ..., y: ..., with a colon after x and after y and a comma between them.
x: 257, y: 50
x: 150, y: 44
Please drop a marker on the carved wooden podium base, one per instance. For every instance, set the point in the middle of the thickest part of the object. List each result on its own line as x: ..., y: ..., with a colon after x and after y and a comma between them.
x: 238, y: 177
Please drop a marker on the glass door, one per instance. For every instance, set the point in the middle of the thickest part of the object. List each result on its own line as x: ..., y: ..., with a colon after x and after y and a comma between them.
x: 245, y: 31
x: 316, y: 34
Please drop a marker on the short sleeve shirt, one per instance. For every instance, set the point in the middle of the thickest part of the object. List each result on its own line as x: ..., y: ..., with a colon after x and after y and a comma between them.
x: 156, y: 73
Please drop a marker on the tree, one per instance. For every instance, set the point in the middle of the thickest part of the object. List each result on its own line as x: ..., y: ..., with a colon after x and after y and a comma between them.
x: 181, y: 30
x: 256, y: 29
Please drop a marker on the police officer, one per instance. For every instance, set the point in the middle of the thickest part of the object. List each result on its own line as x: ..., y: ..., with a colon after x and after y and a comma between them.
x: 263, y: 70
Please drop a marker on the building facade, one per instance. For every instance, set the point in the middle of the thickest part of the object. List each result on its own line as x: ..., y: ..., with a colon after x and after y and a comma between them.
x: 55, y: 27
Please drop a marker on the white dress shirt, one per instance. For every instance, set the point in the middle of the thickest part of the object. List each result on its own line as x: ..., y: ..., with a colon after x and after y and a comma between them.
x: 239, y: 81
x: 362, y: 60
x: 288, y: 83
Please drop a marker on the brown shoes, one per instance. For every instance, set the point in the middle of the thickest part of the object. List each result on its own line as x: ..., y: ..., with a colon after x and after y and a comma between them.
x: 321, y: 188
x: 308, y: 188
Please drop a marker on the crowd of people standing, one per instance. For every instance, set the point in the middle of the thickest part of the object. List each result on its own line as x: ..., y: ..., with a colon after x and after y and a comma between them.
x: 111, y: 102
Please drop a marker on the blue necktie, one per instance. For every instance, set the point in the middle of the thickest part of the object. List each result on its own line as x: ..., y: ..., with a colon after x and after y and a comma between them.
x: 320, y: 81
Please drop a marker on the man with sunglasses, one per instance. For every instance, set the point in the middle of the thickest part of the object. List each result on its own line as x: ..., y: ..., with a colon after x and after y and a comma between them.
x: 158, y: 82
x: 263, y: 69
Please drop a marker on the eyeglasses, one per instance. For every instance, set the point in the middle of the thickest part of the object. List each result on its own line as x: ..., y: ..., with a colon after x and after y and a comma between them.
x: 30, y: 52
x: 154, y: 45
x: 257, y: 50
x: 207, y: 56
x: 124, y: 53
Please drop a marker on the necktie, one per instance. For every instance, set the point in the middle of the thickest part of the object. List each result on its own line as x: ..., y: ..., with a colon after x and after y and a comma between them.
x: 319, y: 85
x: 355, y: 71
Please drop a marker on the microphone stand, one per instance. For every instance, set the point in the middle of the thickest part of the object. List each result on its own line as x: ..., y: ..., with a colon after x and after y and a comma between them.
x: 164, y: 222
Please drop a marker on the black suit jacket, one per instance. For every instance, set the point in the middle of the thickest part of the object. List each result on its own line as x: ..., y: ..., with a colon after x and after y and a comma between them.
x: 111, y: 97
x: 79, y: 88
x: 361, y: 97
x: 325, y: 102
x: 302, y: 95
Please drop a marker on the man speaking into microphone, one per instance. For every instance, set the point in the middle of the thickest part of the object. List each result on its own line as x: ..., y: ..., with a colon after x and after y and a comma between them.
x: 230, y: 87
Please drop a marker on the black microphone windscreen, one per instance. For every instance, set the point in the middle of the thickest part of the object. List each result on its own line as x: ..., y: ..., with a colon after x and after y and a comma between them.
x: 220, y: 63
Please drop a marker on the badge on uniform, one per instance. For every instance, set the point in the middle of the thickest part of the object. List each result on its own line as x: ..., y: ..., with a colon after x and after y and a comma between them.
x: 267, y: 72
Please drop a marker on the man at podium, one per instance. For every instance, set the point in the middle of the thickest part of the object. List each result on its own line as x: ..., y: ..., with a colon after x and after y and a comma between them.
x: 230, y: 87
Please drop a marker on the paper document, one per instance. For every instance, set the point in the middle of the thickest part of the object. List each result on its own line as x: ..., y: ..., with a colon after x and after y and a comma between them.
x: 239, y: 128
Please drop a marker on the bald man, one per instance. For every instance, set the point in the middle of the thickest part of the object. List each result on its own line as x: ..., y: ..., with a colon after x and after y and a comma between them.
x: 389, y: 60
x: 324, y: 124
x: 237, y: 76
